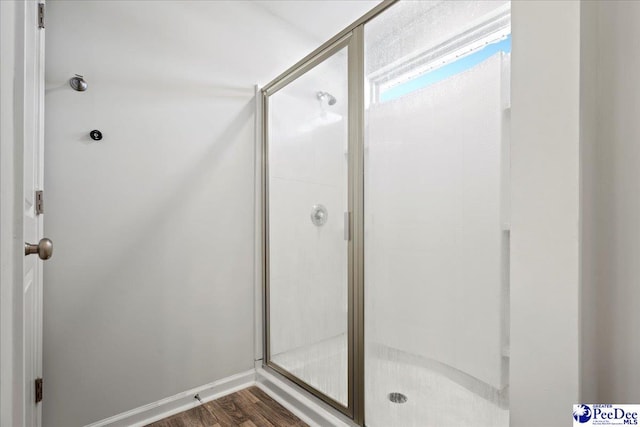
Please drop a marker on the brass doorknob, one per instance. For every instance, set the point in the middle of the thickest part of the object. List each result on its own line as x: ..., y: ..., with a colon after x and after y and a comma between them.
x: 44, y: 249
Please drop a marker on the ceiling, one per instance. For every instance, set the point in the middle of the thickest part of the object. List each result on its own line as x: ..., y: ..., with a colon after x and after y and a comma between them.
x: 318, y: 20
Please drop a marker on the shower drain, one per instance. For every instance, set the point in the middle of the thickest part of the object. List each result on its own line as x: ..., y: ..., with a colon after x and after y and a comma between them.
x: 396, y: 397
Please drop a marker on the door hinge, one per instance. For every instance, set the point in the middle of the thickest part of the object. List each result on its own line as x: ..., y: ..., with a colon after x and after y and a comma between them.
x: 39, y: 202
x: 38, y: 390
x: 40, y: 15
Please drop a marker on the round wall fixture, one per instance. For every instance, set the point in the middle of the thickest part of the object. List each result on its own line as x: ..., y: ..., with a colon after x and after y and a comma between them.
x: 319, y: 215
x: 96, y: 135
x: 78, y: 83
x: 396, y: 397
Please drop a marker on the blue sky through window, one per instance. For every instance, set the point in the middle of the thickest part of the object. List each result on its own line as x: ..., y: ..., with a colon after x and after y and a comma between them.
x: 446, y: 71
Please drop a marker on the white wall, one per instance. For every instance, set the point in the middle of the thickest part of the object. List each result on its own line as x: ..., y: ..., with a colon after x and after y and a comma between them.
x: 611, y: 348
x: 150, y: 291
x: 545, y: 66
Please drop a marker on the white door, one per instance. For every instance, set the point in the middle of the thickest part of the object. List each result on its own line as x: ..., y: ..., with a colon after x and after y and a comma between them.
x: 32, y: 218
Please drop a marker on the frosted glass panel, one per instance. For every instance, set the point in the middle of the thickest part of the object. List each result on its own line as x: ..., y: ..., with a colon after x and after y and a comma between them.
x: 436, y: 215
x: 307, y: 250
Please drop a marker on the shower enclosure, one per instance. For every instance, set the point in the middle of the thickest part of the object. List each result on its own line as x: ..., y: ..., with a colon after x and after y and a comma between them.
x: 386, y: 217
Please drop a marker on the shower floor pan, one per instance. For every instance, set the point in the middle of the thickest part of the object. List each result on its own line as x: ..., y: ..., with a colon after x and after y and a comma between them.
x: 431, y: 399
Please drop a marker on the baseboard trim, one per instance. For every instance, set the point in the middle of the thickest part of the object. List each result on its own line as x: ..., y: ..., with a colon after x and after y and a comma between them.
x: 180, y: 402
x: 298, y: 401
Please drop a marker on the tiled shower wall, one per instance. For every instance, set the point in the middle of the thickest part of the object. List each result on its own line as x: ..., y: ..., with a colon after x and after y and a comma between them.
x: 436, y: 222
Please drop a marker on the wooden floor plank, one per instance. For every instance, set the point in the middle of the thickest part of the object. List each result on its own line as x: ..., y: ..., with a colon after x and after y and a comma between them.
x: 272, y: 410
x: 262, y: 396
x: 230, y: 407
x: 224, y: 418
x: 200, y: 416
x: 250, y: 407
x: 247, y: 394
x: 247, y: 402
x: 280, y: 416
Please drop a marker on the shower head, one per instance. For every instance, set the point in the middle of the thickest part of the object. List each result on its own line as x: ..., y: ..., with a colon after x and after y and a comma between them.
x: 331, y: 100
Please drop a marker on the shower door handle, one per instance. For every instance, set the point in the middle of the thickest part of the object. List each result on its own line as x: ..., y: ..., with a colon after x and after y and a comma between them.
x: 44, y: 249
x: 347, y: 226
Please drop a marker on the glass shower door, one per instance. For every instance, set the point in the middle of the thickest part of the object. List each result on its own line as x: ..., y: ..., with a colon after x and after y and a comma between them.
x: 308, y: 326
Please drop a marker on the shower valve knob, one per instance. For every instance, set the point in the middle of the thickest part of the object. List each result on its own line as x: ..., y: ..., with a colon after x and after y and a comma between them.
x: 96, y: 135
x: 319, y: 215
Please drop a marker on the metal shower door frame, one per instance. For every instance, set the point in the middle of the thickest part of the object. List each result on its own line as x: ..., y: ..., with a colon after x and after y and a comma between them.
x: 345, y: 41
x: 352, y: 38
